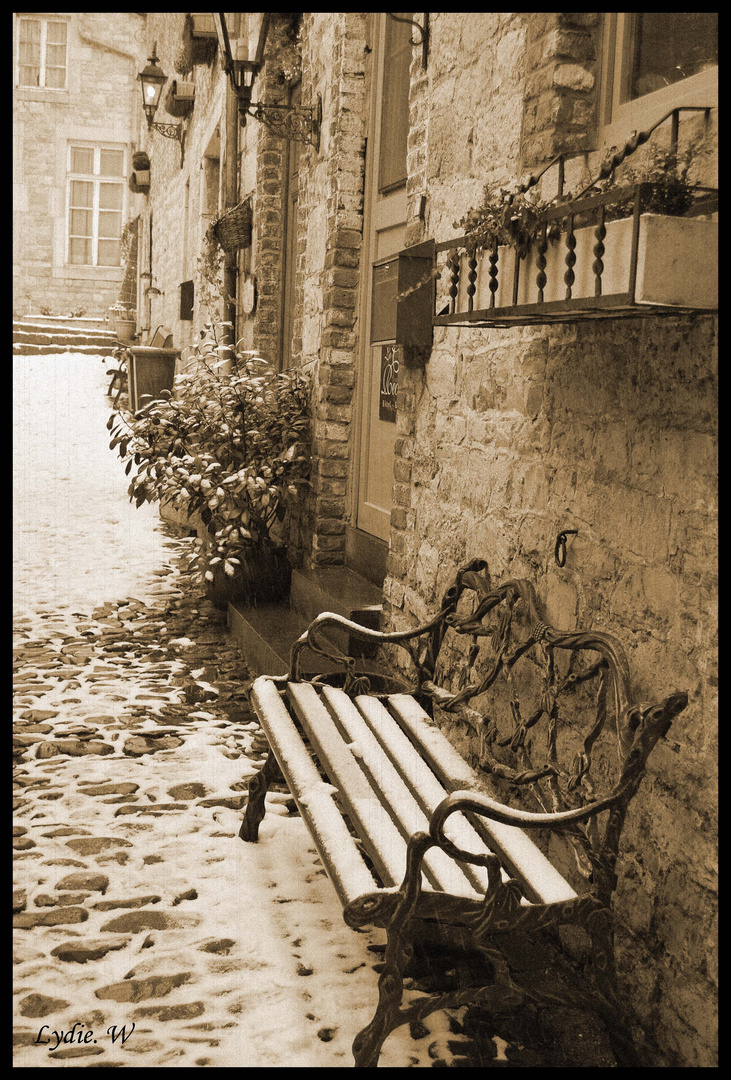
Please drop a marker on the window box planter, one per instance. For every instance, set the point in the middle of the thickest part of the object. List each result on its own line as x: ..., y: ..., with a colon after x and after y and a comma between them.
x: 180, y: 99
x: 642, y: 264
x: 202, y: 25
x: 183, y: 91
x: 676, y: 265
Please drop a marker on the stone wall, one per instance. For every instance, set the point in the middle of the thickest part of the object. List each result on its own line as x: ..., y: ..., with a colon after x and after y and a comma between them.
x: 102, y: 55
x: 510, y: 435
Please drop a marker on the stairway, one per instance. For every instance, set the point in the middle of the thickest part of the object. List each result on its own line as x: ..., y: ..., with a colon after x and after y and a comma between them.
x: 266, y: 633
x: 36, y: 335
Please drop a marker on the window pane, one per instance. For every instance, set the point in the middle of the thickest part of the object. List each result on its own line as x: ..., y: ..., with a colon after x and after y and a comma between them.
x: 110, y: 225
x: 56, y: 33
x: 56, y: 78
x: 29, y: 76
x: 82, y: 160
x: 109, y: 253
x: 110, y: 196
x: 56, y: 56
x: 80, y: 223
x: 112, y: 163
x: 82, y: 193
x: 29, y: 53
x: 395, y: 117
x: 30, y: 30
x: 670, y: 46
x: 80, y: 252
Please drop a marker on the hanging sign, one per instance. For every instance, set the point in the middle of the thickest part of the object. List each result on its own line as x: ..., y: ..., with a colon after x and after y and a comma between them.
x: 389, y: 383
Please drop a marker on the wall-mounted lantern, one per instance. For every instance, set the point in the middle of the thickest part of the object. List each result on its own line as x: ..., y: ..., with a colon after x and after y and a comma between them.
x: 152, y: 79
x: 300, y: 123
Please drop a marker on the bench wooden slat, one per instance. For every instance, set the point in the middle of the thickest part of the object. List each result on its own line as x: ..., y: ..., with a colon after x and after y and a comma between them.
x: 421, y: 780
x: 543, y: 883
x: 379, y: 834
x: 444, y: 873
x: 337, y: 848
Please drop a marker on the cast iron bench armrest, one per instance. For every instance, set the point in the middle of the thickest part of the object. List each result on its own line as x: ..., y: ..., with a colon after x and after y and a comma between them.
x: 312, y: 638
x: 507, y: 815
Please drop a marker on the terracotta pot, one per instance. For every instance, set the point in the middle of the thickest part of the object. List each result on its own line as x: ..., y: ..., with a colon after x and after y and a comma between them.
x: 264, y: 576
x: 124, y: 329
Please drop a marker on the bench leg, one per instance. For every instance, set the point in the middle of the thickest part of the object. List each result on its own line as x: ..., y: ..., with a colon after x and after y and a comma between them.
x: 399, y: 950
x: 258, y: 787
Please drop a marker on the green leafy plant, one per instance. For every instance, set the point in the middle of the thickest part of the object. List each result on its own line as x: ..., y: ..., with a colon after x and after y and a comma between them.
x: 230, y: 442
x: 514, y: 216
x: 666, y: 171
x: 505, y: 217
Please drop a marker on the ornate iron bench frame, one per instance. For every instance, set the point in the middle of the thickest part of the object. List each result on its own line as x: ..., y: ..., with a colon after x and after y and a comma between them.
x: 521, y: 893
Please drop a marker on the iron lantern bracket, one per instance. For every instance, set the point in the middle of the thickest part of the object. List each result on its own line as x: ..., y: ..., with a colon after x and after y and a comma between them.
x: 170, y: 131
x: 299, y: 123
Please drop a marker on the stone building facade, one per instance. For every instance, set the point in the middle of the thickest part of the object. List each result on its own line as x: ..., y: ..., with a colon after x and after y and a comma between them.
x: 500, y: 436
x: 75, y: 116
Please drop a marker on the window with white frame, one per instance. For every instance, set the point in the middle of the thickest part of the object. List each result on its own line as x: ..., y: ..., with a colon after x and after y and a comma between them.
x: 95, y: 205
x: 42, y: 53
x: 653, y: 62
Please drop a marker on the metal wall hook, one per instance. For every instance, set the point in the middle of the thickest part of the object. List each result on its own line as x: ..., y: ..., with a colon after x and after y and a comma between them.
x: 423, y: 40
x: 559, y: 550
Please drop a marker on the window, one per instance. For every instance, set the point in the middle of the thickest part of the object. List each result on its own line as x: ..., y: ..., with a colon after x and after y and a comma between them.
x: 654, y: 61
x: 42, y: 53
x: 95, y: 205
x: 395, y: 118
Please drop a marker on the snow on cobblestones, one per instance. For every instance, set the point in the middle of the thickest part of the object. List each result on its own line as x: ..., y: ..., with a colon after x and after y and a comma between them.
x: 136, y: 906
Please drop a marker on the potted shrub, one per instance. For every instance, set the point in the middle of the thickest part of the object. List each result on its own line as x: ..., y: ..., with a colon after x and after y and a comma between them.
x: 230, y: 445
x: 676, y: 254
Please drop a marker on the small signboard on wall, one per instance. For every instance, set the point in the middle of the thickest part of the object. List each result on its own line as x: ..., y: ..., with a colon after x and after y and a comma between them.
x: 389, y: 383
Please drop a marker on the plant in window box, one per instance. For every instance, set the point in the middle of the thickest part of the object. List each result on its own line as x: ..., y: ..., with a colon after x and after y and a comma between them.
x: 230, y: 445
x: 573, y: 241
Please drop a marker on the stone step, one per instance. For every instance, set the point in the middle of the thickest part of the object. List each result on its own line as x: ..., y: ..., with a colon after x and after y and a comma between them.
x: 60, y: 322
x: 43, y: 350
x: 38, y: 337
x: 265, y: 633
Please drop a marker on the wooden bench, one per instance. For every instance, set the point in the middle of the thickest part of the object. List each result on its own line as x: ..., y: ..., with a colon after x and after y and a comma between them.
x: 410, y: 835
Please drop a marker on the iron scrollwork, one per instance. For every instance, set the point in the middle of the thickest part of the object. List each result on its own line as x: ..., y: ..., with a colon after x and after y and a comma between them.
x: 299, y: 123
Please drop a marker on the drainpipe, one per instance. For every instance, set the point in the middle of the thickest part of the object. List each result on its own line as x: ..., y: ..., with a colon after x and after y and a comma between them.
x: 231, y: 187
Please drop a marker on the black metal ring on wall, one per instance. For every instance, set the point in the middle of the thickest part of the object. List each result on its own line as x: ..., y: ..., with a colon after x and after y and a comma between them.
x: 559, y: 550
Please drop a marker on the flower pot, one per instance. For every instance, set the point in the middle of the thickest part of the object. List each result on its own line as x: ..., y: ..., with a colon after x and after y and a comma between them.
x: 142, y: 177
x: 676, y: 265
x: 264, y: 576
x: 123, y: 328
